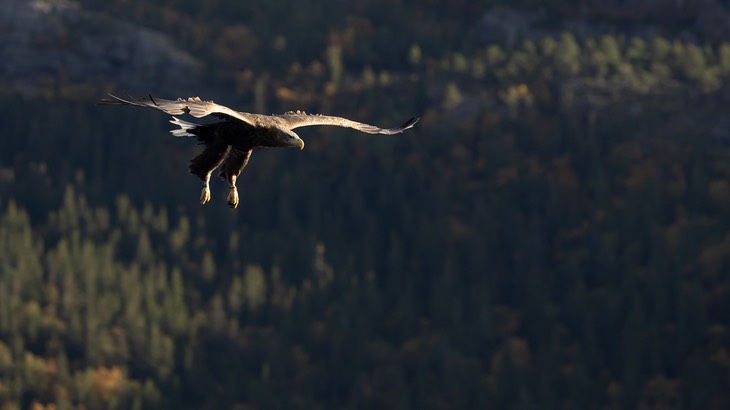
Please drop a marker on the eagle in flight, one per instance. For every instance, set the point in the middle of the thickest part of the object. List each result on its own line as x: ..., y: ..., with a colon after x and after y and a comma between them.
x: 231, y: 140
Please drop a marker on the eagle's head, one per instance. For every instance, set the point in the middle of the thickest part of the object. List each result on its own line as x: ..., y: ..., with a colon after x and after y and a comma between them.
x: 286, y: 138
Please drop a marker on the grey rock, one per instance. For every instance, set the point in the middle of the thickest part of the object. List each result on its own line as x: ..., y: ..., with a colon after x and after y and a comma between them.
x: 55, y: 42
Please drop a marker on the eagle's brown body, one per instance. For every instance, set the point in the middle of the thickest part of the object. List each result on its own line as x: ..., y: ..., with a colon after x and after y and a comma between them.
x: 231, y: 141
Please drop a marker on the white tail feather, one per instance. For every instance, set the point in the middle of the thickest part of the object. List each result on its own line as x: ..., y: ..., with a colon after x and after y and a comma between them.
x: 184, y: 127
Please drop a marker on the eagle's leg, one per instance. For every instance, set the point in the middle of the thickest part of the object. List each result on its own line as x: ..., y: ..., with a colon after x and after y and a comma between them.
x: 231, y: 169
x: 232, y: 191
x: 204, y: 164
x: 205, y: 193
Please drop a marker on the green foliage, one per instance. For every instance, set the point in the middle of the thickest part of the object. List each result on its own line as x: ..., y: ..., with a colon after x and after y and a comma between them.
x: 567, y: 55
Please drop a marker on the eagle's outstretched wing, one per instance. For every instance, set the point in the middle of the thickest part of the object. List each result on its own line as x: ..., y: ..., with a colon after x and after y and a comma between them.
x: 193, y: 106
x: 296, y: 119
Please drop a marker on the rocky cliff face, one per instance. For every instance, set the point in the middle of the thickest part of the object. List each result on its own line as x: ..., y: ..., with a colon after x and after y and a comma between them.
x: 54, y: 46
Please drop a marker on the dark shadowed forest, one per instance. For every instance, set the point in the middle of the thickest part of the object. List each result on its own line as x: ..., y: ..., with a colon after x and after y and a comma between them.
x: 553, y: 234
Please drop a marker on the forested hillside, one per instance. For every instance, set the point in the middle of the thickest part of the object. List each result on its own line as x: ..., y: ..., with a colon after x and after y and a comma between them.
x: 553, y: 233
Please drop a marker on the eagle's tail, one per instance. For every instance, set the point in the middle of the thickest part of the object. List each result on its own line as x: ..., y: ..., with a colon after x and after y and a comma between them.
x: 184, y: 129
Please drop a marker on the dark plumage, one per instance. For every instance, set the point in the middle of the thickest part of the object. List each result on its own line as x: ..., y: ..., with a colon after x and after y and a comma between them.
x: 231, y: 141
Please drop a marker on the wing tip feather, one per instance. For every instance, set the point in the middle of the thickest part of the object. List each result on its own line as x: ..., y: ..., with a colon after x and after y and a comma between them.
x: 410, y: 123
x: 114, y: 101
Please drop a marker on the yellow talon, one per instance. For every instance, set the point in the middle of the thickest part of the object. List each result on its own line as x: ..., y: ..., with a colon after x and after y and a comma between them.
x: 233, y: 197
x: 205, y: 195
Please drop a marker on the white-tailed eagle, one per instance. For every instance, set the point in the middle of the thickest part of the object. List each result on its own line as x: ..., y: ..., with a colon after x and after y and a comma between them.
x: 232, y: 140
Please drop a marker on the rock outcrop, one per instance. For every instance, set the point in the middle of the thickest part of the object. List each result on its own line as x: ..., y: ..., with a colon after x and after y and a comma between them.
x: 47, y: 45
